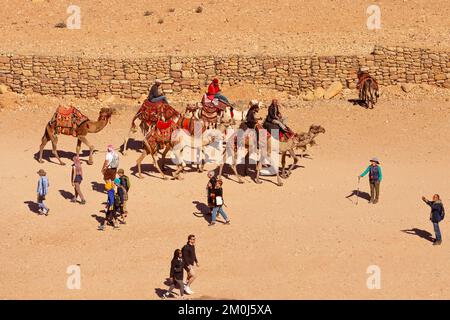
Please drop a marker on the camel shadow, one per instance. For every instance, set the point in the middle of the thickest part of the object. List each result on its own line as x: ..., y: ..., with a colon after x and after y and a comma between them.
x: 66, y: 194
x: 420, y: 233
x: 32, y: 206
x: 99, y: 187
x: 358, y: 102
x: 48, y: 154
x: 359, y: 194
x: 133, y: 144
x: 203, y: 211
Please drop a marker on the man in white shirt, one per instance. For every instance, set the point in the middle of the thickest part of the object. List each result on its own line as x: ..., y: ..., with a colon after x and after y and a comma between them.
x: 110, y: 165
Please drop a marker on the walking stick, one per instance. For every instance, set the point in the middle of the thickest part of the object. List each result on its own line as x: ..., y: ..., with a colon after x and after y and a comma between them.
x: 357, y: 191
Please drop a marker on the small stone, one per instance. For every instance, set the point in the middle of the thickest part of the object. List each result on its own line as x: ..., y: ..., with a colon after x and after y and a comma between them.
x: 407, y: 87
x: 319, y: 92
x: 334, y: 89
x: 3, y: 89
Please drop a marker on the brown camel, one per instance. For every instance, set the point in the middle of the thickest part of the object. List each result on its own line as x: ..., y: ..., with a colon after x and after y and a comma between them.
x: 179, y: 139
x: 284, y: 147
x: 81, y: 132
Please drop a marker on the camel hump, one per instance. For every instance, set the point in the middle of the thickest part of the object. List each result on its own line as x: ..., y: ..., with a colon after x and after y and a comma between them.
x: 67, y: 119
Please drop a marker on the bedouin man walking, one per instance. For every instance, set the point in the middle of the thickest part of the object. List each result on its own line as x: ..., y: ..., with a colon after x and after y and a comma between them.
x: 436, y: 216
x: 375, y: 177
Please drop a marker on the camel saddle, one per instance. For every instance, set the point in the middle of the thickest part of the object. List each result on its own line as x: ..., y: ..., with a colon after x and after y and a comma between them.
x: 364, y: 77
x: 152, y: 111
x: 66, y: 120
x: 211, y: 109
x: 188, y: 124
x: 161, y: 133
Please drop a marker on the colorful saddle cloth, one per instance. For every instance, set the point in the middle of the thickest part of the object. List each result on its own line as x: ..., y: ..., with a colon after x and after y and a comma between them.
x: 161, y: 133
x: 150, y: 112
x: 66, y: 120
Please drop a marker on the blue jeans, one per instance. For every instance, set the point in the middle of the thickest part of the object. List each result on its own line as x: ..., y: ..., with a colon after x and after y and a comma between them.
x: 437, y: 231
x: 161, y: 98
x: 220, y: 211
x: 221, y: 97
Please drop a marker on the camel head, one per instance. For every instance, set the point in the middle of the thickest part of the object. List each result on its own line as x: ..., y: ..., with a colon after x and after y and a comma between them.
x: 105, y: 114
x: 316, y: 129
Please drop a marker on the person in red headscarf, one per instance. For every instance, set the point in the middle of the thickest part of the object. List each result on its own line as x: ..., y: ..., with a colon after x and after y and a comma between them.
x: 214, y: 91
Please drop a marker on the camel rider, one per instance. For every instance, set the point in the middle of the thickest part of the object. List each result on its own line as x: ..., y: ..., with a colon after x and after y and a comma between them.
x: 274, y: 119
x: 154, y: 95
x: 214, y: 91
x: 251, y: 120
x: 363, y: 75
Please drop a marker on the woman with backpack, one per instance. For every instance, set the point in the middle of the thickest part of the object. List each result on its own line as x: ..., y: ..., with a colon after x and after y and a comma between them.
x: 436, y: 216
x: 176, y: 273
x: 375, y: 177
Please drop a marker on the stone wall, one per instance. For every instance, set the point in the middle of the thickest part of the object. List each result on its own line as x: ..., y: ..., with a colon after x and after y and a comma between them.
x: 129, y: 78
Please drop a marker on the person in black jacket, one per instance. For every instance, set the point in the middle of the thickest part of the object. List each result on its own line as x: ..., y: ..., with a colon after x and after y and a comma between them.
x: 274, y: 119
x: 190, y: 258
x: 437, y: 215
x: 176, y: 273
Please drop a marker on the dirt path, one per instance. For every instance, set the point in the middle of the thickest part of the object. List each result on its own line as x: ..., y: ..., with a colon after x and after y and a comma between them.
x: 305, y: 240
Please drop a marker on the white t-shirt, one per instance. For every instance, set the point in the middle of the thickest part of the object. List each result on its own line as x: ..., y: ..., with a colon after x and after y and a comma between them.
x: 113, y: 159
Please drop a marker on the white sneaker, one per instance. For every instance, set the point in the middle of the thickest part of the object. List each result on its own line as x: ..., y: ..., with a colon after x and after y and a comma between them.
x: 188, y: 290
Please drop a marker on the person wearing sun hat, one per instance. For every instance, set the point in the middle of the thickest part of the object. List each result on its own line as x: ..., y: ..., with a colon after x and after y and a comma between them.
x: 42, y: 191
x: 375, y: 177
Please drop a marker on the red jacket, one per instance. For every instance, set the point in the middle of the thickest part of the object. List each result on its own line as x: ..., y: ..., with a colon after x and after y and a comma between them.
x: 213, y: 89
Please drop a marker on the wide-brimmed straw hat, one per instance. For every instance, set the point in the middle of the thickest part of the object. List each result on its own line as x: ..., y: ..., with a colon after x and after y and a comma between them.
x: 41, y: 172
x: 375, y: 159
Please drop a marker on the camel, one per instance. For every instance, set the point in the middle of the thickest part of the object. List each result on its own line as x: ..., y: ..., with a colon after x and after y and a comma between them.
x: 80, y: 133
x: 179, y: 139
x: 166, y: 113
x: 285, y: 148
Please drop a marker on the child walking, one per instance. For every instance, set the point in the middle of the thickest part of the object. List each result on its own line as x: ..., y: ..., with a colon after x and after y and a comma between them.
x: 125, y: 182
x: 121, y: 197
x: 110, y: 208
x: 42, y: 191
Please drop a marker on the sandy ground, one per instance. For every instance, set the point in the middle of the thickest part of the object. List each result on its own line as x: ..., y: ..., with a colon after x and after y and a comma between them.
x: 116, y: 28
x: 304, y: 240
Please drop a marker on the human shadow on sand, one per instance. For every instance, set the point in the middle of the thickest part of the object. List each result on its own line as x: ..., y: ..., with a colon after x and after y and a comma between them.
x: 99, y: 187
x: 66, y: 194
x: 48, y: 155
x: 32, y: 206
x: 160, y: 292
x: 202, y: 211
x: 420, y: 233
x: 359, y: 194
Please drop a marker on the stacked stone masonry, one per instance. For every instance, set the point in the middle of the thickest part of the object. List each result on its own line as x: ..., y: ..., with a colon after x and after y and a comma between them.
x: 127, y: 78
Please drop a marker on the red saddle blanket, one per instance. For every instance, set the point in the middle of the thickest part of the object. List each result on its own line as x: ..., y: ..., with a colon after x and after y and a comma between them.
x: 151, y: 111
x: 67, y: 119
x: 161, y: 133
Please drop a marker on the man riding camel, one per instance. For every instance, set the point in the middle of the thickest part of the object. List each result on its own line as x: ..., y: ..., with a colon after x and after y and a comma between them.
x: 214, y: 92
x: 154, y: 95
x: 274, y: 120
x: 251, y: 121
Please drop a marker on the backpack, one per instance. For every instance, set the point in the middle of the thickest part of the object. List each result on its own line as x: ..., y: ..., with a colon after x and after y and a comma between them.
x: 126, y: 182
x: 115, y: 161
x: 374, y: 173
x: 442, y: 212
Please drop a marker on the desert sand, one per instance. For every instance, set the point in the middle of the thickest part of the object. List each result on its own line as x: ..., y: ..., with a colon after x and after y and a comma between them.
x: 304, y: 240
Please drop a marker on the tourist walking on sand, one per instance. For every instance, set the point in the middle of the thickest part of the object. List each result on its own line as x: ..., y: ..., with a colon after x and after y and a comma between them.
x: 436, y: 216
x: 176, y: 274
x: 121, y: 197
x: 190, y: 258
x: 42, y: 191
x: 110, y: 215
x: 76, y: 178
x: 125, y: 182
x: 218, y: 204
x: 210, y: 190
x: 375, y: 177
x: 110, y: 165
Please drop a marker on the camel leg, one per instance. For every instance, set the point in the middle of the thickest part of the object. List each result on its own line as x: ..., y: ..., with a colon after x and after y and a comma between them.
x: 283, y: 165
x: 139, y: 162
x: 91, y: 149
x: 258, y: 170
x: 125, y: 143
x: 78, y: 148
x: 294, y: 156
x: 55, y: 150
x: 234, y: 168
x: 163, y: 158
x: 155, y: 162
x: 44, y: 142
